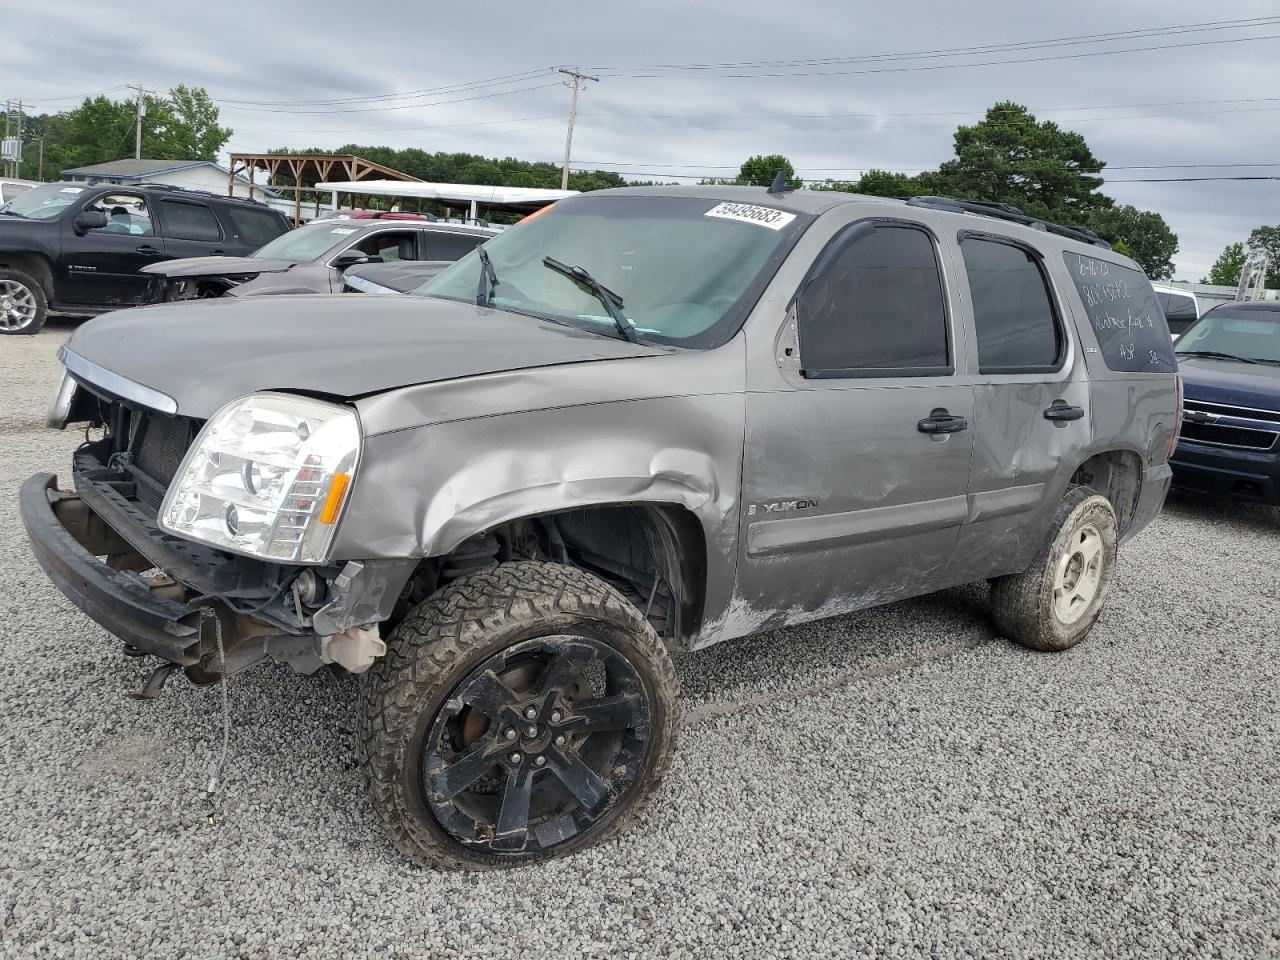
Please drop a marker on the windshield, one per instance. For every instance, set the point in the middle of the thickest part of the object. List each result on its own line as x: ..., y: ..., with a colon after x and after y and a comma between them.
x: 306, y: 243
x: 1235, y: 332
x: 685, y: 269
x: 44, y: 202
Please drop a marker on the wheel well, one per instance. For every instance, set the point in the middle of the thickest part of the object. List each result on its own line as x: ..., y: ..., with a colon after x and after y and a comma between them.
x: 35, y: 265
x: 1117, y: 475
x: 653, y: 554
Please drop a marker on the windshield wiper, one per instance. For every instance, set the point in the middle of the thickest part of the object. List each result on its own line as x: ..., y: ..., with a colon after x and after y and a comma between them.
x: 1217, y: 355
x: 488, y: 279
x: 612, y: 302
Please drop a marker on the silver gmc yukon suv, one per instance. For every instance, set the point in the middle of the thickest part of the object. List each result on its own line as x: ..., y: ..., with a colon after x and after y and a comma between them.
x: 648, y: 419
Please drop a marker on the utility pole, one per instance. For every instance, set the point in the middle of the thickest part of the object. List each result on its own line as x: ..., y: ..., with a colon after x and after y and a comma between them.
x: 577, y: 79
x: 40, y: 162
x: 137, y: 133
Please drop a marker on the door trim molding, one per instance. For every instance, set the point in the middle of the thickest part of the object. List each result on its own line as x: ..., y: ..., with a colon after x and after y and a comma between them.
x: 999, y: 503
x: 855, y: 526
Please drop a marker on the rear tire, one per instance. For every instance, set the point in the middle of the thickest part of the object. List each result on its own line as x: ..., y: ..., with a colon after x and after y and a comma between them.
x: 482, y: 706
x: 1053, y: 604
x: 23, y: 304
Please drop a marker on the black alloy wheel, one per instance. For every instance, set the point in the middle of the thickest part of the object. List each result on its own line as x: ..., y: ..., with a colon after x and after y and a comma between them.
x: 536, y: 744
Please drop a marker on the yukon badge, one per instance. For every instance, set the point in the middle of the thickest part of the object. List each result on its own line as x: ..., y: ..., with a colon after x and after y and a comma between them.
x: 781, y: 506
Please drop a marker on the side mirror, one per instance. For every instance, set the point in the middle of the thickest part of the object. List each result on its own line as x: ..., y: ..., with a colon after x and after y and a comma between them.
x: 349, y: 258
x: 88, y: 220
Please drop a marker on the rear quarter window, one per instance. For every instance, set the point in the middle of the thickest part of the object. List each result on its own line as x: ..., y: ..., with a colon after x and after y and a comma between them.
x: 254, y: 227
x: 1126, y: 317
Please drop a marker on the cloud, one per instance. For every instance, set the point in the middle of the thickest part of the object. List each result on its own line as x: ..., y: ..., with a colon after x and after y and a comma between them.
x: 695, y: 122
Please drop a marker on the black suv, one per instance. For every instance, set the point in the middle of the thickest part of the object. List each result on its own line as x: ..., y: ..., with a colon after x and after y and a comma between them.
x: 78, y: 248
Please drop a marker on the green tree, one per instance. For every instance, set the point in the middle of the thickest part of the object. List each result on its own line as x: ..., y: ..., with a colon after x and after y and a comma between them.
x: 1010, y: 157
x: 1145, y: 235
x: 183, y: 127
x: 1226, y: 269
x: 1267, y: 240
x: 759, y: 171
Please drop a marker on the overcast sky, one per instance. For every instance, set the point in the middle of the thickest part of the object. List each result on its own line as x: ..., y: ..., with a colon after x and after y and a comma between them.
x: 1133, y: 107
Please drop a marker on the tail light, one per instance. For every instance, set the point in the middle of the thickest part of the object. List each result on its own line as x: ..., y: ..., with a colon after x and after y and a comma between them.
x: 1177, y: 419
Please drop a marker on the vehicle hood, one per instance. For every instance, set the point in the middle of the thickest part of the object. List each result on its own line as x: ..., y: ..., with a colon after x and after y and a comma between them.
x: 400, y: 277
x: 216, y: 267
x: 1230, y: 382
x: 204, y: 353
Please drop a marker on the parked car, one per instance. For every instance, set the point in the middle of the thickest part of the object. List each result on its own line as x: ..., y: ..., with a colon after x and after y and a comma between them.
x: 1181, y: 307
x: 79, y: 249
x: 652, y: 418
x: 384, y: 278
x: 313, y: 258
x: 1230, y: 443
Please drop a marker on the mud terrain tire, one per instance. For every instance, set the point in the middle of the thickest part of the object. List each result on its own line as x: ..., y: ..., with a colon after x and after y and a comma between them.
x: 444, y: 641
x: 1053, y: 604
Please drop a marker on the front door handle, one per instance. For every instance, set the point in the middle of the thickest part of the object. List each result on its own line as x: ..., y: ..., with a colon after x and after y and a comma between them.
x: 1060, y: 411
x: 147, y: 248
x: 939, y: 421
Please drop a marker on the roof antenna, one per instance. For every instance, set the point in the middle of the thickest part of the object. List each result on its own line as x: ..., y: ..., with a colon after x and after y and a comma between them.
x: 779, y: 184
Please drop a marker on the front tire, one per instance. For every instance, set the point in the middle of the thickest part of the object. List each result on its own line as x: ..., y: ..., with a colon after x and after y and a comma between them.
x: 520, y: 714
x: 23, y: 304
x: 1053, y: 604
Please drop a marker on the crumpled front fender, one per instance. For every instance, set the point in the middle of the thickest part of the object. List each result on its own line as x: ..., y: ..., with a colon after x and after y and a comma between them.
x: 421, y: 492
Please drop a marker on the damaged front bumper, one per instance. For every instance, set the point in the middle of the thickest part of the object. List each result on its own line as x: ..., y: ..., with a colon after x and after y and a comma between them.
x: 187, y: 593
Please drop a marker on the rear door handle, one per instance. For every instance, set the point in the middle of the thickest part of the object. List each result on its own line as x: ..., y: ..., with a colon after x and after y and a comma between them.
x: 147, y: 248
x: 939, y: 421
x: 1060, y: 410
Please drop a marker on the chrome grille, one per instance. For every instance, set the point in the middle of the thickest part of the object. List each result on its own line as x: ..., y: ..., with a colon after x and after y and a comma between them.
x: 1227, y: 410
x: 1228, y: 436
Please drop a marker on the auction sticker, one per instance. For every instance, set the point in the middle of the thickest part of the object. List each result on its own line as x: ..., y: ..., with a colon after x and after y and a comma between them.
x: 750, y: 213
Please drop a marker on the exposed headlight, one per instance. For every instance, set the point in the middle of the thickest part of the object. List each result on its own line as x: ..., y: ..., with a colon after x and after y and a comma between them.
x: 267, y: 477
x: 60, y: 409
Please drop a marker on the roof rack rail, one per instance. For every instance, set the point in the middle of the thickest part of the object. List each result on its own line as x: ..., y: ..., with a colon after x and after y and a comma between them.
x: 1007, y: 211
x: 174, y: 188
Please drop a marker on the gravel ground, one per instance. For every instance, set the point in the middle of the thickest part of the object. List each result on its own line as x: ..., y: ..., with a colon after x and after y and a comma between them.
x: 894, y: 783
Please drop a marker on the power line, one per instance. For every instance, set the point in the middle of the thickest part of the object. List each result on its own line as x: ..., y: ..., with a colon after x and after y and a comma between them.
x: 82, y: 96
x: 402, y: 106
x: 426, y: 91
x: 979, y: 63
x: 382, y: 132
x: 1011, y: 46
x: 1038, y: 111
x: 928, y: 113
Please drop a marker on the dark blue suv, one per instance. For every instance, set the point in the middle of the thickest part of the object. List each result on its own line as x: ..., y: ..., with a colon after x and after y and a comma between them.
x: 1230, y: 365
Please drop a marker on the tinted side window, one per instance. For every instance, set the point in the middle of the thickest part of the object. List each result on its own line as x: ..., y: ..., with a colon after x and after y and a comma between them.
x: 876, y: 308
x: 189, y: 221
x: 1012, y: 310
x: 1122, y: 308
x: 254, y: 227
x: 450, y: 246
x: 1176, y: 306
